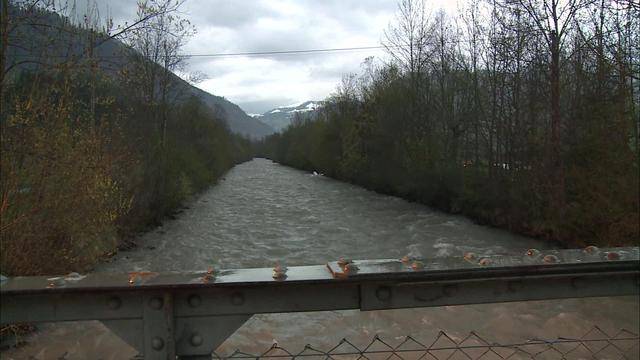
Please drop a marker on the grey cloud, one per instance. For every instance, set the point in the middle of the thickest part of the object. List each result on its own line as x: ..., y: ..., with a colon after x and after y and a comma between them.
x: 229, y: 26
x: 322, y: 24
x: 231, y: 14
x: 329, y: 72
x: 353, y: 14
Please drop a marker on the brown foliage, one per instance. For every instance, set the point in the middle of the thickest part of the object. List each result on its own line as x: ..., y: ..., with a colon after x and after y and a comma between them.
x: 59, y: 198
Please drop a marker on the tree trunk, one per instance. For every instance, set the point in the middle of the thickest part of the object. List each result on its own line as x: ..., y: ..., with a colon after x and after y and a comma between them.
x: 4, y: 35
x: 557, y: 169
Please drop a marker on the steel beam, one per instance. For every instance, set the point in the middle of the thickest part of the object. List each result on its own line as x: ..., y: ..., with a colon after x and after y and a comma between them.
x: 380, y: 296
x: 271, y: 299
x: 159, y: 326
x: 190, y: 314
x: 52, y: 307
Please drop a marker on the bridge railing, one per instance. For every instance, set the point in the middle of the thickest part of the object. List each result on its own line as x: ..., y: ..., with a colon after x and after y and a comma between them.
x: 189, y: 314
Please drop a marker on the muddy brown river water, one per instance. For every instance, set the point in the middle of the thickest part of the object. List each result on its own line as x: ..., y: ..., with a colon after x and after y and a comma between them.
x: 264, y: 212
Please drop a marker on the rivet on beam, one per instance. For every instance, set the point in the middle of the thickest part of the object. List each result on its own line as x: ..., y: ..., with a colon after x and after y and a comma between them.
x: 55, y: 281
x: 157, y: 343
x: 591, y: 250
x: 470, y: 257
x: 114, y: 303
x: 210, y: 275
x: 279, y: 272
x: 612, y: 255
x: 194, y: 300
x: 196, y: 339
x: 533, y: 253
x: 350, y: 268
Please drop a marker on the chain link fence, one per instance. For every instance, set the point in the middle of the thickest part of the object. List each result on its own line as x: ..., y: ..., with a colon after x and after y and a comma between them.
x: 594, y: 344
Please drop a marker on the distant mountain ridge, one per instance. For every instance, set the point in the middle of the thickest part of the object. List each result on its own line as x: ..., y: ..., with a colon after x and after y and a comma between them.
x: 281, y: 117
x: 112, y: 57
x: 237, y: 120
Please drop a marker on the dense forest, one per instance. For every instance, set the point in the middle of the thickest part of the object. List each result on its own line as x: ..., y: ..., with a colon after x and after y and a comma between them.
x: 521, y: 114
x: 96, y: 149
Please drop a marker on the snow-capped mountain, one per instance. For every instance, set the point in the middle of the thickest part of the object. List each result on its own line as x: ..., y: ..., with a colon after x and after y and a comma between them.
x: 280, y: 117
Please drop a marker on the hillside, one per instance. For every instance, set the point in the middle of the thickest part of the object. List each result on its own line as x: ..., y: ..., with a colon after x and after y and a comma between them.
x: 61, y: 41
x: 237, y: 120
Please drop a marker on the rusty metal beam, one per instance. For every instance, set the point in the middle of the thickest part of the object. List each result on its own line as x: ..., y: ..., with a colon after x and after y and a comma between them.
x: 190, y: 314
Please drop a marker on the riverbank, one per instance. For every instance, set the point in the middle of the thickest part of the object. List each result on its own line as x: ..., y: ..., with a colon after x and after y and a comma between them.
x: 131, y: 240
x: 497, y: 218
x: 480, y: 208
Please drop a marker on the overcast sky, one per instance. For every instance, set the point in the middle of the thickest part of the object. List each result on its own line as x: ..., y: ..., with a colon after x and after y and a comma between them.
x: 261, y: 83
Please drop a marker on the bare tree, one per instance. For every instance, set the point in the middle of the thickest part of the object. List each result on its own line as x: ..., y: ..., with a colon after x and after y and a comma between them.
x: 553, y: 19
x: 408, y: 42
x: 472, y: 18
x: 158, y: 52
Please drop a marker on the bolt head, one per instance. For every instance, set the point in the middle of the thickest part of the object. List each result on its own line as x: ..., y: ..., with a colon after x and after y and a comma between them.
x: 194, y: 300
x: 114, y: 303
x: 612, y: 255
x: 533, y: 252
x: 55, y: 281
x: 196, y: 340
x: 591, y: 250
x: 157, y: 343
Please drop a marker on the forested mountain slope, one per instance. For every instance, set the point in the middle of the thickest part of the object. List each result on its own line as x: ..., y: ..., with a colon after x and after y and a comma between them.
x: 56, y: 40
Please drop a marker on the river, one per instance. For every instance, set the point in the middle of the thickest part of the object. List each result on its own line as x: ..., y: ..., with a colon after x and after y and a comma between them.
x: 263, y: 212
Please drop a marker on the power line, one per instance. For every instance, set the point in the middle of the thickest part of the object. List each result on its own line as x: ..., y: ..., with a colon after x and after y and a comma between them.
x: 249, y: 53
x: 283, y: 52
